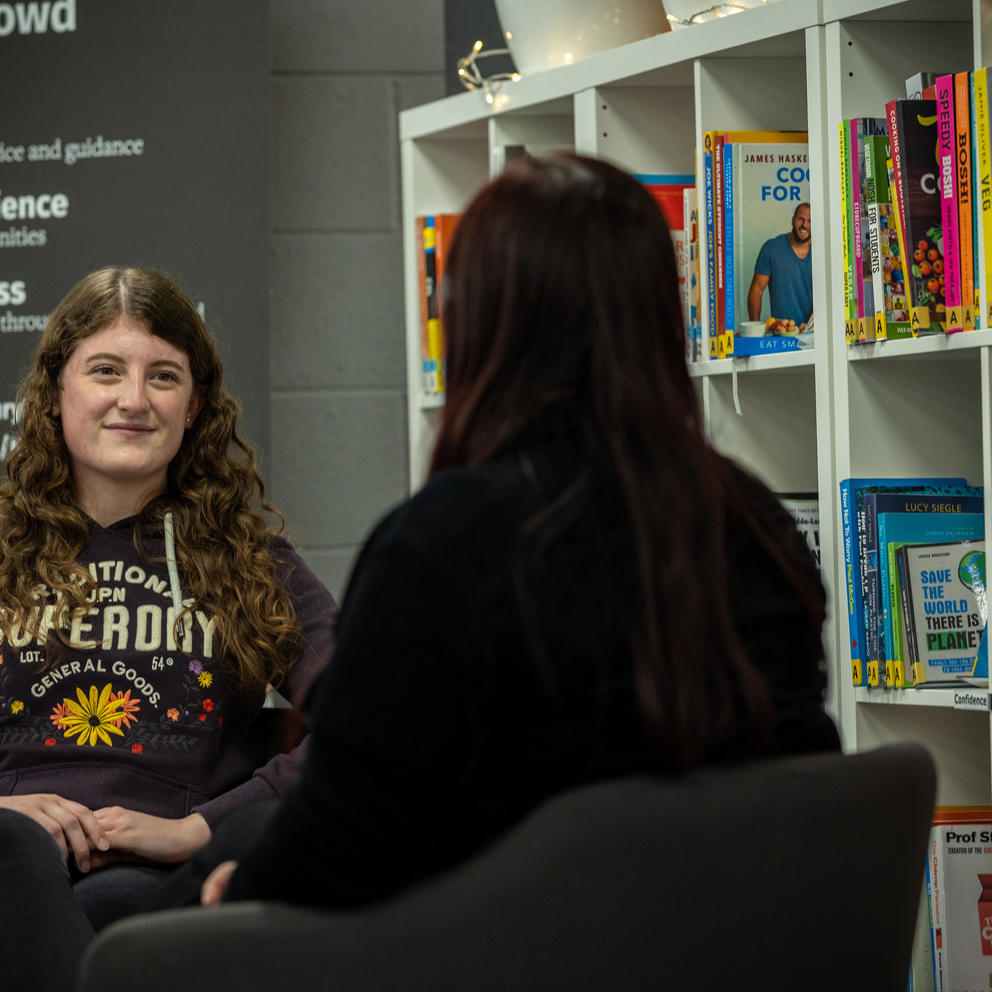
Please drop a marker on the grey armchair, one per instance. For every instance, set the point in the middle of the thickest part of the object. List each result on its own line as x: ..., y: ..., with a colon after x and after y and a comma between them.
x: 800, y: 873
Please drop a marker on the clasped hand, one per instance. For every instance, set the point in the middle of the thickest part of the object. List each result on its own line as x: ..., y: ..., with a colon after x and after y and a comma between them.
x: 94, y: 838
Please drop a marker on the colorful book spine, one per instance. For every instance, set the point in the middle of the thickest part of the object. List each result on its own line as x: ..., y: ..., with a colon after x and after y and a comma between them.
x: 430, y: 343
x: 850, y: 539
x: 916, y: 127
x: 710, y: 245
x: 718, y: 230
x: 899, y: 208
x: 843, y: 142
x: 729, y: 261
x: 983, y: 192
x: 962, y: 155
x: 897, y: 300
x: 876, y: 194
x: 950, y: 287
x: 976, y: 217
x: 861, y: 128
x: 691, y: 224
x: 954, y: 514
x: 855, y: 159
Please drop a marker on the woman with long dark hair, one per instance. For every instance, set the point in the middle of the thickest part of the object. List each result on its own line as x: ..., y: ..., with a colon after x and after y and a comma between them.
x: 583, y: 588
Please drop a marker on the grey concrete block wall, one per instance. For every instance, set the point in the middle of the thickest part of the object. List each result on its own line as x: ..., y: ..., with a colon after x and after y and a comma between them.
x: 341, y: 72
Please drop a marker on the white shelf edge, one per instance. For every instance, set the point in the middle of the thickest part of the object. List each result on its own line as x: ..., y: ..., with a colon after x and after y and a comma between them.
x: 943, y: 698
x: 842, y: 10
x: 930, y: 344
x: 753, y: 363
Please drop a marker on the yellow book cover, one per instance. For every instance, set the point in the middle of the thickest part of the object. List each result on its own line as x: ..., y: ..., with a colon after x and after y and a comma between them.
x: 983, y: 189
x: 845, y: 223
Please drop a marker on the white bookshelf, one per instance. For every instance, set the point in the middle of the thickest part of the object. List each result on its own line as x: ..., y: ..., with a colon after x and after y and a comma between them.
x: 805, y: 420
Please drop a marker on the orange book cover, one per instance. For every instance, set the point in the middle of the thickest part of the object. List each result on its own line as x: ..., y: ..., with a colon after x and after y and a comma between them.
x: 962, y: 151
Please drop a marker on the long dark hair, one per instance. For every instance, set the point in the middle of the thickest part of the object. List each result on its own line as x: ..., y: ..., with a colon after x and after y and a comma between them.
x: 561, y: 293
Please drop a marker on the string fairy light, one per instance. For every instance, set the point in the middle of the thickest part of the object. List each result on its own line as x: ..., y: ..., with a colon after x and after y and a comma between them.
x: 717, y: 10
x: 471, y: 77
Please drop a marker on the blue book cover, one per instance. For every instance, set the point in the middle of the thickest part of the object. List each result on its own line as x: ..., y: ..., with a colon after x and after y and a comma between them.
x: 711, y: 322
x: 769, y: 344
x: 852, y: 558
x: 921, y: 518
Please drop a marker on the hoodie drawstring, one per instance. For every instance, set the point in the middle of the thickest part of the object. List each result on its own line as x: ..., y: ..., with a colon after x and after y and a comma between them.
x: 170, y: 560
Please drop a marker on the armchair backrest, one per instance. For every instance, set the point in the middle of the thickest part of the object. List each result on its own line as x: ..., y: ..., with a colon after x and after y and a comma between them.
x: 795, y: 873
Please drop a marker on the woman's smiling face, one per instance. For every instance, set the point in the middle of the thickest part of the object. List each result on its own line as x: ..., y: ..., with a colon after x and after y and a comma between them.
x: 125, y: 399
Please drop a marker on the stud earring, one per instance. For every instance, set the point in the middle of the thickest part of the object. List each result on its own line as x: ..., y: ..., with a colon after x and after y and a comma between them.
x: 189, y: 420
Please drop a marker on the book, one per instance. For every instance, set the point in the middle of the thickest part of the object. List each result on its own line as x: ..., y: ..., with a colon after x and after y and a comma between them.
x: 860, y: 127
x: 896, y: 299
x: 850, y: 538
x: 709, y: 243
x: 876, y: 197
x: 805, y: 510
x: 770, y: 344
x: 956, y: 513
x: 729, y: 300
x: 869, y: 500
x: 717, y: 250
x: 921, y: 963
x: 719, y: 244
x: 434, y: 233
x: 916, y: 127
x: 920, y: 83
x: 959, y: 876
x: 965, y: 197
x: 983, y: 193
x: 847, y: 256
x: 694, y: 342
x: 769, y: 181
x: 903, y: 300
x: 944, y: 608
x: 666, y: 190
x: 949, y: 280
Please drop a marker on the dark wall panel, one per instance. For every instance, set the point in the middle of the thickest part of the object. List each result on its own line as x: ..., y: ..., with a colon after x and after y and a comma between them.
x: 183, y: 87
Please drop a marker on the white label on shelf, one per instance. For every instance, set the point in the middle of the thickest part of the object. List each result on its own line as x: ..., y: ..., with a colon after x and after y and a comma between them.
x: 972, y: 700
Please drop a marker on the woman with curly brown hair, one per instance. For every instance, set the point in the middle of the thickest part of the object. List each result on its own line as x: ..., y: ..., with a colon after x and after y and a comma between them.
x: 146, y: 601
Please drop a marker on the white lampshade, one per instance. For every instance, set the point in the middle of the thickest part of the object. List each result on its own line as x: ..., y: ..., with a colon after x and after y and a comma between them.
x: 545, y: 34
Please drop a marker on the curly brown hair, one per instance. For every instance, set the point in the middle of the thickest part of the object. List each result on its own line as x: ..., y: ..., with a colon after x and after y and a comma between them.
x: 214, y: 491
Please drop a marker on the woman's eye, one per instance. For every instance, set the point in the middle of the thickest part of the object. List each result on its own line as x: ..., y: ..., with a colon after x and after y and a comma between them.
x: 166, y: 377
x: 104, y: 370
